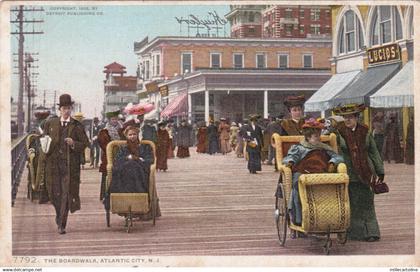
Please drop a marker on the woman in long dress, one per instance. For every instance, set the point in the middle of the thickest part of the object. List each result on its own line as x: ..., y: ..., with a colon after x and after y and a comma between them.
x: 162, y: 147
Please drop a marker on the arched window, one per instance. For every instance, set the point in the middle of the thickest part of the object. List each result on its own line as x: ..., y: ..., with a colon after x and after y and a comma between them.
x: 350, y: 34
x: 386, y: 25
x: 411, y: 25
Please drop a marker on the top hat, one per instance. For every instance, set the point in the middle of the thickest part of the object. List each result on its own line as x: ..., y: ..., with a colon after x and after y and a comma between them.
x: 348, y: 109
x: 65, y: 100
x: 95, y: 119
x: 312, y: 123
x: 292, y: 101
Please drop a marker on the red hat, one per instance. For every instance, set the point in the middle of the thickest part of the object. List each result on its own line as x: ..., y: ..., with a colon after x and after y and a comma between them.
x: 292, y: 101
x: 312, y: 123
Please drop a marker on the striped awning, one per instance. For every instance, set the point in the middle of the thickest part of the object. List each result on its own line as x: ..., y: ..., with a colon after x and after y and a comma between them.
x: 398, y: 91
x: 177, y: 106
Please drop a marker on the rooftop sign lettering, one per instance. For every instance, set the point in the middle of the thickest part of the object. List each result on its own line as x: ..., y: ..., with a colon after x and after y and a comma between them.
x: 213, y: 20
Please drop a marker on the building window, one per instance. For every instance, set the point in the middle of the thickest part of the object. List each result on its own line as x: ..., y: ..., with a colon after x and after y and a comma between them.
x: 186, y: 60
x: 307, y: 61
x: 327, y: 29
x: 327, y: 13
x: 215, y: 60
x: 156, y: 65
x: 147, y: 69
x: 288, y: 29
x: 288, y: 13
x: 283, y: 61
x: 315, y: 14
x: 260, y: 59
x: 411, y: 25
x: 386, y: 25
x: 251, y: 30
x: 315, y: 29
x: 350, y: 36
x: 302, y: 29
x: 302, y: 13
x: 238, y: 60
x: 251, y: 17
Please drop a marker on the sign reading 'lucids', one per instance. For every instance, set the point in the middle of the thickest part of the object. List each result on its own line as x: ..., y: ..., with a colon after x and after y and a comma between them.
x: 384, y: 53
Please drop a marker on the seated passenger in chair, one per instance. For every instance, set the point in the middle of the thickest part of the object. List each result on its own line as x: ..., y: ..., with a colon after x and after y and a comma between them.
x: 309, y: 156
x: 131, y: 167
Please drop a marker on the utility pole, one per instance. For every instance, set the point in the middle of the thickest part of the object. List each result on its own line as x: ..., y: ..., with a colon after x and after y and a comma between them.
x: 43, y: 102
x: 21, y: 32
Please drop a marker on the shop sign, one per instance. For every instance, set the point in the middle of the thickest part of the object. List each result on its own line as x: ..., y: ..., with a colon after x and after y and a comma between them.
x: 164, y: 91
x: 152, y: 87
x: 384, y: 54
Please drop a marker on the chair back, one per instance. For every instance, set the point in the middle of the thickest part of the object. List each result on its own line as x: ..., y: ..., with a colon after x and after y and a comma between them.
x: 111, y: 151
x: 282, y: 144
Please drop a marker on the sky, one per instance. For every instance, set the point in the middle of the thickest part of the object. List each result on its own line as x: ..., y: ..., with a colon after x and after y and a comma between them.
x: 75, y: 48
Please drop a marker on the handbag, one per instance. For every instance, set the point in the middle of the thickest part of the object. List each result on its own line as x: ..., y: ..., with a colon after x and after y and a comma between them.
x: 379, y: 187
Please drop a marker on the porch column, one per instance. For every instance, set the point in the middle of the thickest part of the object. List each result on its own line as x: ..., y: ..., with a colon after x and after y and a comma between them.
x: 189, y: 108
x: 206, y: 106
x: 265, y: 104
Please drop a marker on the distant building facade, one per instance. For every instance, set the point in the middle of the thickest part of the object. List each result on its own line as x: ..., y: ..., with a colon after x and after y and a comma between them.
x: 227, y: 77
x: 119, y: 89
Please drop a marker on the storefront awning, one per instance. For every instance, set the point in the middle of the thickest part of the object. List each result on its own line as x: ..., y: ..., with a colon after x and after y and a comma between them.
x: 176, y: 107
x: 397, y: 92
x: 321, y: 100
x: 365, y: 85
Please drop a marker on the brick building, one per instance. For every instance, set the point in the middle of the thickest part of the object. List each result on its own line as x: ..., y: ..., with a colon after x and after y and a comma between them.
x: 279, y: 21
x: 230, y: 77
x: 296, y: 21
x: 245, y: 21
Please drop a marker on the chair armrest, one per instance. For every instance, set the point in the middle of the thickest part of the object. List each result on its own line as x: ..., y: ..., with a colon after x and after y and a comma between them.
x: 323, y: 178
x: 342, y: 168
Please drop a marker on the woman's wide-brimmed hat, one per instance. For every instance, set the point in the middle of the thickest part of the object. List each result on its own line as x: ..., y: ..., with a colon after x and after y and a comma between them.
x: 111, y: 114
x: 349, y: 109
x: 41, y: 115
x: 162, y: 123
x: 312, y: 123
x: 78, y: 116
x: 292, y: 101
x: 65, y: 100
x: 254, y: 117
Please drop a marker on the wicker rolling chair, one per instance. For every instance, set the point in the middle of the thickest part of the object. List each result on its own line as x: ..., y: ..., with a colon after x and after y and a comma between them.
x: 324, y: 196
x: 130, y: 205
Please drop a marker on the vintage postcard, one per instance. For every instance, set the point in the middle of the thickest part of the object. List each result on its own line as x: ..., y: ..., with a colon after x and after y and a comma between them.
x: 183, y: 134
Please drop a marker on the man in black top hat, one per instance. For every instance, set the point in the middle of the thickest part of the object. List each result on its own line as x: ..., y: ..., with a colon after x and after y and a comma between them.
x: 62, y: 161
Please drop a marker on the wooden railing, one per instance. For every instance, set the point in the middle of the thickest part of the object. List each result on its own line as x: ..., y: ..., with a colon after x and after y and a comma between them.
x: 19, y: 157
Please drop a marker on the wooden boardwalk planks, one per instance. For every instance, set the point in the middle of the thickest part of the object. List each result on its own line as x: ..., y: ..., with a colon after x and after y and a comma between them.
x: 210, y: 205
